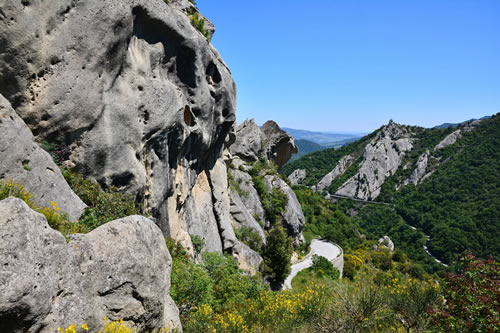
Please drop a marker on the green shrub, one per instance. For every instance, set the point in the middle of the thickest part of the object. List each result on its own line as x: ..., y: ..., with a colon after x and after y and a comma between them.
x: 198, y: 243
x: 277, y: 253
x: 103, y: 205
x: 249, y: 237
x: 324, y: 267
x: 199, y: 23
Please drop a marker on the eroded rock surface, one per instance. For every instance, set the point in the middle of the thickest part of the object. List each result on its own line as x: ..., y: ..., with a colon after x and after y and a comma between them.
x: 138, y: 95
x: 278, y: 144
x: 297, y: 176
x: 119, y: 270
x: 24, y: 162
x: 342, y: 165
x: 293, y: 219
x: 449, y: 140
x: 381, y: 158
x: 420, y: 170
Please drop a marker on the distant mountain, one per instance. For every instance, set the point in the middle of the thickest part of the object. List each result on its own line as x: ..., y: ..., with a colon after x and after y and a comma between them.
x: 447, y: 125
x: 306, y: 147
x: 444, y: 182
x: 323, y: 138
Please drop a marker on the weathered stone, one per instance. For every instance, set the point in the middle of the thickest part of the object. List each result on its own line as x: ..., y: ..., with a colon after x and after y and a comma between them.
x: 381, y: 158
x: 419, y: 172
x: 119, y: 270
x: 248, y: 260
x: 251, y: 199
x: 190, y: 9
x: 247, y: 145
x: 24, y: 162
x: 342, y: 165
x: 241, y: 217
x: 138, y: 94
x: 449, y: 140
x: 297, y: 176
x: 386, y: 242
x: 278, y: 144
x: 293, y: 219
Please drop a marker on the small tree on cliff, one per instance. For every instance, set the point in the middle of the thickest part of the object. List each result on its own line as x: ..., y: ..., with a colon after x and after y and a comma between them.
x: 277, y: 253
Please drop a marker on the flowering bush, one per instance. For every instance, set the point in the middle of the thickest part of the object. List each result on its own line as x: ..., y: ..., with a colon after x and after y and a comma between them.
x: 472, y: 297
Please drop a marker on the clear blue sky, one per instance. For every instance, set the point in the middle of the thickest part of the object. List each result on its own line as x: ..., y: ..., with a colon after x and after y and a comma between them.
x: 351, y: 65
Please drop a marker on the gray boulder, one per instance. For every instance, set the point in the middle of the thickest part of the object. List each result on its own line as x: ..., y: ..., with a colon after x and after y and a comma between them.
x: 247, y: 145
x: 297, y: 176
x: 139, y: 96
x: 386, y: 242
x: 420, y: 169
x: 24, y: 162
x: 278, y: 144
x: 249, y: 197
x: 119, y: 270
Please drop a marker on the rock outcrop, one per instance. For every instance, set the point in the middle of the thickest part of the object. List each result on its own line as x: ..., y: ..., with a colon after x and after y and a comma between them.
x: 342, y: 165
x: 119, y: 270
x: 381, y: 158
x: 139, y: 97
x: 293, y: 219
x: 297, y: 176
x: 449, y: 140
x: 386, y: 242
x: 24, y: 162
x: 420, y: 170
x: 269, y: 142
x: 278, y: 144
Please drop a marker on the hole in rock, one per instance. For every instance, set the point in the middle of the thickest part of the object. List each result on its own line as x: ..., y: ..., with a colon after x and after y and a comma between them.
x: 189, y: 117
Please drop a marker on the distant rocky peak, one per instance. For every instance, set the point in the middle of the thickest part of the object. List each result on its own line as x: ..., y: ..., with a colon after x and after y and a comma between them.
x: 270, y: 141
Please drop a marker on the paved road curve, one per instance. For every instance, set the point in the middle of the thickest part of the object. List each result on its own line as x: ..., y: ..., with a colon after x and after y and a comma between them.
x: 319, y: 247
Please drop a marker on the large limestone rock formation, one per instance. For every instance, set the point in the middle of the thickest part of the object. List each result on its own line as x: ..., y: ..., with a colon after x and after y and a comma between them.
x: 449, y: 140
x: 24, y: 162
x: 119, y: 270
x: 269, y: 142
x: 278, y: 144
x: 342, y: 165
x: 381, y: 158
x: 420, y: 169
x: 138, y: 95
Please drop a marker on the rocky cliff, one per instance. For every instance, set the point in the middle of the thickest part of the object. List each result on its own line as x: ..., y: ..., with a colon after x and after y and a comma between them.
x: 136, y: 95
x: 136, y: 98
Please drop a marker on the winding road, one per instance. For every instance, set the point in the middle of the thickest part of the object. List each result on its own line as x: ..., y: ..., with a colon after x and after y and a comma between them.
x: 319, y: 247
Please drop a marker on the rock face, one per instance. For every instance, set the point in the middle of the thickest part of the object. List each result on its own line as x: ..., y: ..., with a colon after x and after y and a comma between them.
x: 297, y: 176
x: 343, y: 164
x: 381, y: 158
x: 248, y: 144
x: 119, y: 270
x: 293, y: 219
x: 24, y: 162
x: 269, y: 142
x: 419, y: 172
x: 449, y: 140
x: 278, y: 144
x: 138, y: 95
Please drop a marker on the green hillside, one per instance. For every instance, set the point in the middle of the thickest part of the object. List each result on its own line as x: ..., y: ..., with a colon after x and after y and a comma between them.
x: 305, y: 147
